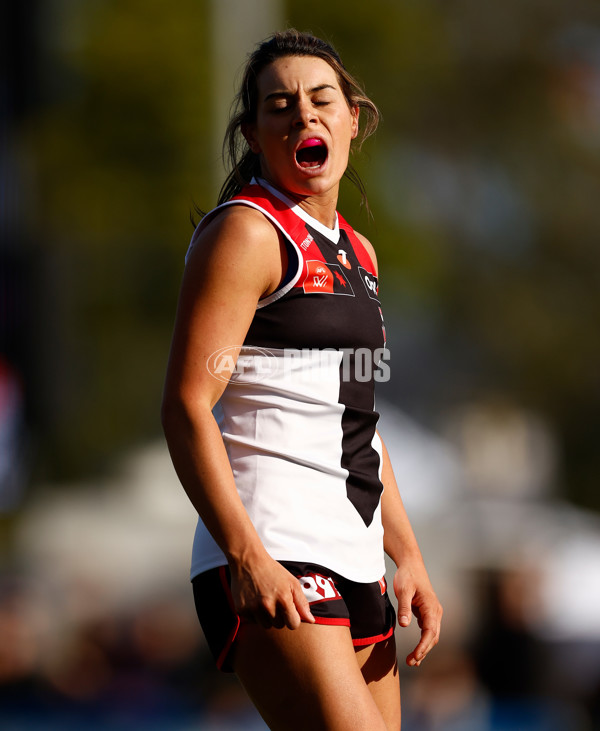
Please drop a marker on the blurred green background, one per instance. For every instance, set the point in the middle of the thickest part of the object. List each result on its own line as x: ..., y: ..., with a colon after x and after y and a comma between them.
x: 484, y: 184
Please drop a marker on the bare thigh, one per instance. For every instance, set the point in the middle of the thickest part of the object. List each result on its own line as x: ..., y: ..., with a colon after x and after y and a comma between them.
x: 307, y: 678
x: 379, y: 667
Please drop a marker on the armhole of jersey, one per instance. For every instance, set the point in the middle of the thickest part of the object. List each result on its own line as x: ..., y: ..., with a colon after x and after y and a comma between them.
x: 288, y: 281
x: 201, y: 224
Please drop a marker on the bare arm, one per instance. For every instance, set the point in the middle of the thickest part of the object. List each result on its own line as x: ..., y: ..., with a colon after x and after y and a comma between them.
x: 411, y: 582
x: 235, y: 261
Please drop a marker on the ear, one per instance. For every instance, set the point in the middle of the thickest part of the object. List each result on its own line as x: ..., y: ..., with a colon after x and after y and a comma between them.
x: 248, y: 132
x: 355, y: 112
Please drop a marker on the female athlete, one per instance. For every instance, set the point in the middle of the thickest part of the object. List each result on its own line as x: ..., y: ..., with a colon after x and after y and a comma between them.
x: 268, y: 412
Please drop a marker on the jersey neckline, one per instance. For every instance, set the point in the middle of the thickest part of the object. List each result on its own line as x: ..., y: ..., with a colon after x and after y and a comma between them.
x: 332, y: 234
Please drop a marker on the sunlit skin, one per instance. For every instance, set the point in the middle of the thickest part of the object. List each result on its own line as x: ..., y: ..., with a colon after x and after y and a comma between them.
x: 300, y: 99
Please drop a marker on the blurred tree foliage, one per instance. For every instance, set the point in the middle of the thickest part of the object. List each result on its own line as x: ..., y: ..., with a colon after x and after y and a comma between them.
x: 483, y: 179
x: 122, y: 152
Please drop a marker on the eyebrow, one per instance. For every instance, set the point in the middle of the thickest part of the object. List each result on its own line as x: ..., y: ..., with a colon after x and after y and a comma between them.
x: 287, y: 94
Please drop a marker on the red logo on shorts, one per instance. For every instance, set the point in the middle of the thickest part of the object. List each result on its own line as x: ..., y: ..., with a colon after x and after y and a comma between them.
x: 318, y: 588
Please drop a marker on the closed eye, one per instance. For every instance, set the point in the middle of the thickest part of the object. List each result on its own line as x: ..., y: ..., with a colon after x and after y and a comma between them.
x: 284, y: 100
x: 280, y: 108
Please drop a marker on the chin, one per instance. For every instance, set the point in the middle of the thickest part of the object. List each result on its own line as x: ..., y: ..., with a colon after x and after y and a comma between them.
x: 318, y: 182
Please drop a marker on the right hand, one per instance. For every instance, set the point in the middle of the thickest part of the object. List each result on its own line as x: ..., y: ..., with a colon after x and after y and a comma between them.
x: 268, y: 594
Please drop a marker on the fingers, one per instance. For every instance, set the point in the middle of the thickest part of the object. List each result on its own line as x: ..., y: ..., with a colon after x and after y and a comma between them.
x: 404, y: 607
x: 302, y: 605
x: 294, y: 610
x: 286, y: 607
x: 415, y: 596
x: 427, y: 642
x: 430, y: 633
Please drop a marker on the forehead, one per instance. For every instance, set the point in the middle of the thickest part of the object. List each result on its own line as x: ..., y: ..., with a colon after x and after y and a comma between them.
x: 292, y: 72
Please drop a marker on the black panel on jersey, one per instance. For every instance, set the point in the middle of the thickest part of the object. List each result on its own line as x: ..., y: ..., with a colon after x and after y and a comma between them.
x: 322, y: 320
x: 358, y: 456
x: 347, y: 318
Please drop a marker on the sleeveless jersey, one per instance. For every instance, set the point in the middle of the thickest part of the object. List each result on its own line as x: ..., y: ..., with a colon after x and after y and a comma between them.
x: 298, y: 416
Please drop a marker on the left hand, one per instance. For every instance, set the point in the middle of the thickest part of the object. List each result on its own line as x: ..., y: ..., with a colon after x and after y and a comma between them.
x: 416, y: 596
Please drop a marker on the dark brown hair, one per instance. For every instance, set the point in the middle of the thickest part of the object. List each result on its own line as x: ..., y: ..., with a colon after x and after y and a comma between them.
x: 242, y: 163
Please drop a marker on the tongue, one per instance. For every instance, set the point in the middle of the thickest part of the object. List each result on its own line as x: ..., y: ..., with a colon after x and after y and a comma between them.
x: 312, y: 153
x: 310, y: 156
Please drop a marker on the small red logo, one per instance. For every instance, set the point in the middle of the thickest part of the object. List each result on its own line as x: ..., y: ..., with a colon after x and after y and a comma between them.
x: 343, y: 260
x: 340, y: 279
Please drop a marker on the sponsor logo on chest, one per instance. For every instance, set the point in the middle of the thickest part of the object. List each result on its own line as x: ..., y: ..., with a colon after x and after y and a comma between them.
x: 370, y: 282
x: 325, y: 278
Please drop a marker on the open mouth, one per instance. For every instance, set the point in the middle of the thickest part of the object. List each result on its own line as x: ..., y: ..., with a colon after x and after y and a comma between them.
x: 311, y: 153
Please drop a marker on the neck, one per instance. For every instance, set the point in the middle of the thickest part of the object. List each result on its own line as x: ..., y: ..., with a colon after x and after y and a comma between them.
x: 321, y: 206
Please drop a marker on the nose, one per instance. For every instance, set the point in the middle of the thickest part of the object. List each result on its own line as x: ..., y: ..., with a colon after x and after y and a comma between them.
x: 305, y: 113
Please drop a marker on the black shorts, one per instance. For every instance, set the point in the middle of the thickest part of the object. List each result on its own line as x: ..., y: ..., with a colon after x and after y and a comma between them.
x: 364, y: 608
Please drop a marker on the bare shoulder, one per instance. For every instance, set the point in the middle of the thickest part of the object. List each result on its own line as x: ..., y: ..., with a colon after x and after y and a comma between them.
x: 369, y: 248
x: 239, y: 245
x: 237, y: 224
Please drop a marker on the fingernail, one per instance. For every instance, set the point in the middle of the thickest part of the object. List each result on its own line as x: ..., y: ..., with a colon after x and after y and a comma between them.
x: 404, y: 619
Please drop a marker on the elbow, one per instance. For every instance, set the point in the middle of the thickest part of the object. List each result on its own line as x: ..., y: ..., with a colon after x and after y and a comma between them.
x: 179, y: 414
x: 172, y: 410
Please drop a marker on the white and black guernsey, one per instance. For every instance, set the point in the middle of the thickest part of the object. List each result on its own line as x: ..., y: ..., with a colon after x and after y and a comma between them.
x: 297, y: 416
